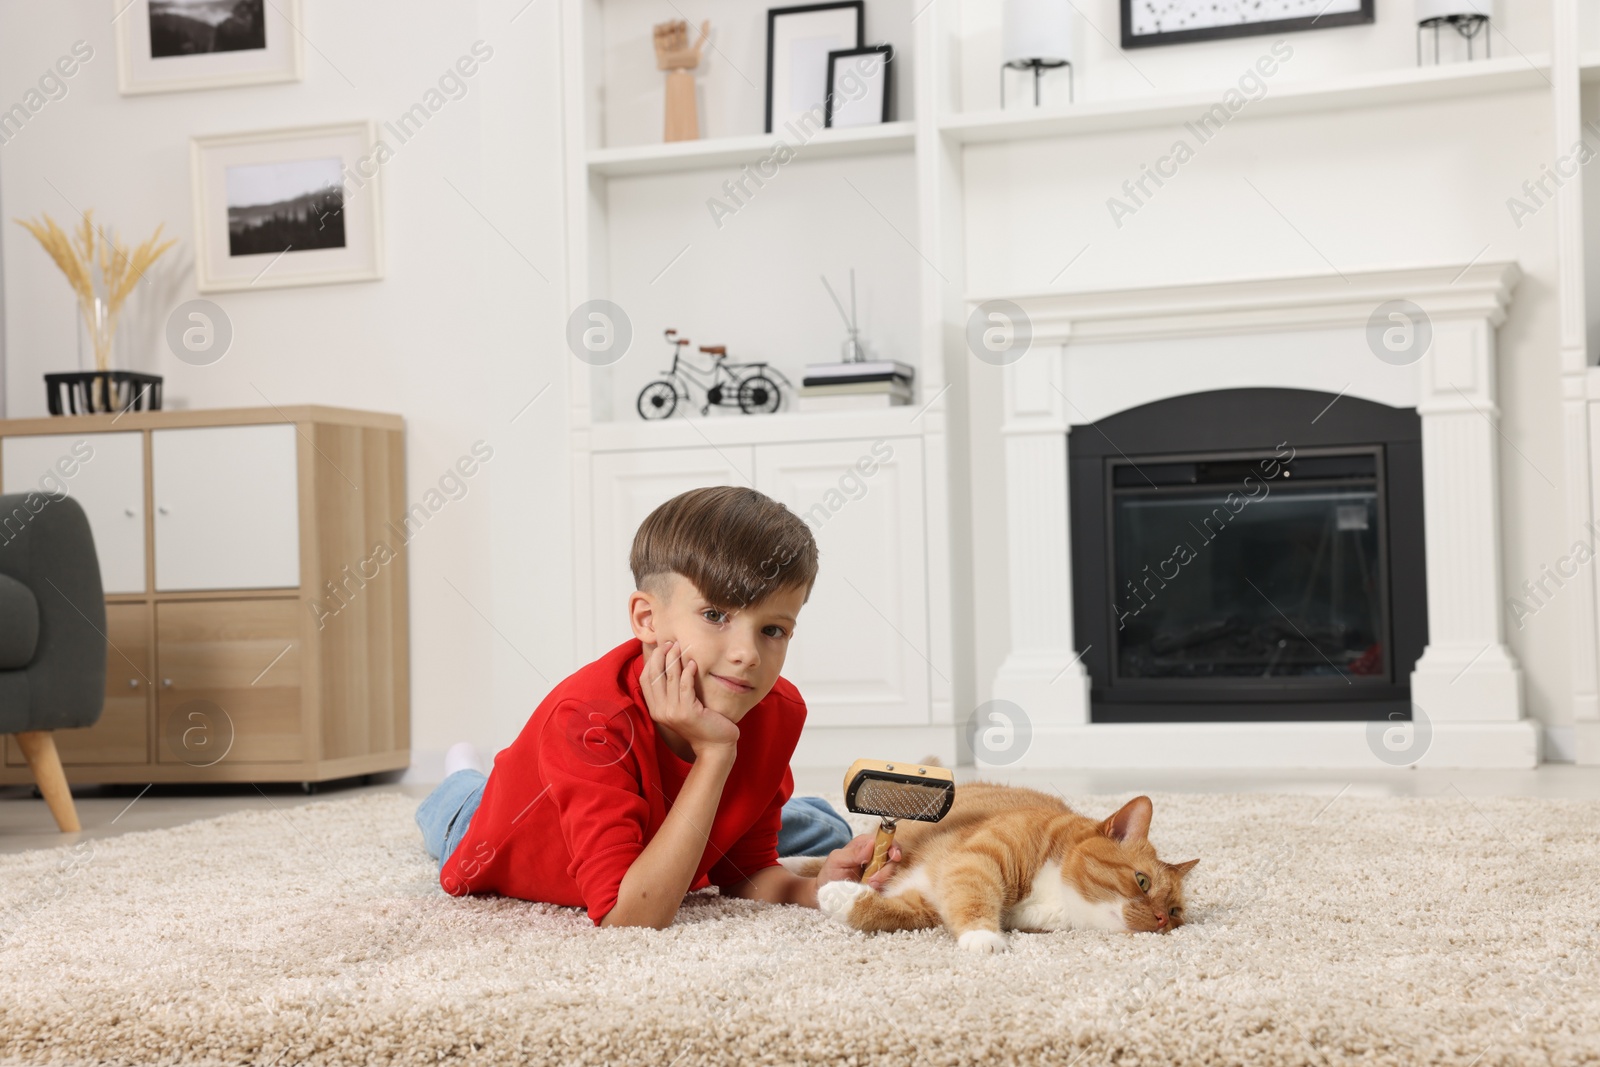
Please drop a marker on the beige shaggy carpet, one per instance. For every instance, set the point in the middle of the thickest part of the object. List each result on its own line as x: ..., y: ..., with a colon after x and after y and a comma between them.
x: 1368, y: 930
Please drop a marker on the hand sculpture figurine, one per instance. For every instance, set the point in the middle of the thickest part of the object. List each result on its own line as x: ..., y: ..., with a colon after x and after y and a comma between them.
x: 674, y: 56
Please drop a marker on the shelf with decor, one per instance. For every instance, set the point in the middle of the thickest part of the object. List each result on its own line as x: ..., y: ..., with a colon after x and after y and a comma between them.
x: 697, y: 236
x: 1082, y: 68
x: 1367, y: 89
x: 666, y: 223
x: 621, y: 436
x: 749, y: 149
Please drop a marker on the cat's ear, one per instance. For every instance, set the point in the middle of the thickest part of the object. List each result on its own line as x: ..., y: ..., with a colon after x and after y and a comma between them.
x: 1181, y: 869
x: 1131, y: 822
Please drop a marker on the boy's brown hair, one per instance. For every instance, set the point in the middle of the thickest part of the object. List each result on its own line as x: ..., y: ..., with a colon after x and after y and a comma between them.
x: 736, y: 545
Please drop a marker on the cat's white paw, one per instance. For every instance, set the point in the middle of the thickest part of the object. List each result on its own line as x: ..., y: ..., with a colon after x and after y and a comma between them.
x: 985, y: 941
x: 837, y: 898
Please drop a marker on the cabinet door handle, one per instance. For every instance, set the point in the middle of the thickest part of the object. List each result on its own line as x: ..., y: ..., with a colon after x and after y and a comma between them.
x: 162, y: 510
x: 129, y: 512
x: 133, y: 683
x: 166, y: 683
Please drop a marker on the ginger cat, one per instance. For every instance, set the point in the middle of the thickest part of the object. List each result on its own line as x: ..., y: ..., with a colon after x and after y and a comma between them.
x: 1008, y: 858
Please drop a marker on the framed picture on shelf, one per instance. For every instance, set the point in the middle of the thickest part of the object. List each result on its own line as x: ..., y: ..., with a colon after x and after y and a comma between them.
x: 858, y: 86
x: 287, y: 207
x: 1155, y: 22
x: 169, y: 45
x: 798, y: 42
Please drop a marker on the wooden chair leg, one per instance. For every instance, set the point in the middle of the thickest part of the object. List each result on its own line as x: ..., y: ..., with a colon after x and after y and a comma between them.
x: 39, y: 746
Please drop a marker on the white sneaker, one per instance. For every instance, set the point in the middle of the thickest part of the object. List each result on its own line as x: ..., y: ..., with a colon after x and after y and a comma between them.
x: 461, y: 756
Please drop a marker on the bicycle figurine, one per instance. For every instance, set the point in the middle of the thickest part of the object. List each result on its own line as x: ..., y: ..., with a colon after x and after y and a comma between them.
x: 746, y: 386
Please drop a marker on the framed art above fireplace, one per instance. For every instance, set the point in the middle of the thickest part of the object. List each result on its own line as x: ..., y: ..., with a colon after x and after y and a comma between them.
x: 1249, y: 555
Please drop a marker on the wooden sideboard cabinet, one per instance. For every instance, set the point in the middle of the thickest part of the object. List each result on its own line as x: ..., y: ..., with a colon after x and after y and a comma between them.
x: 255, y: 576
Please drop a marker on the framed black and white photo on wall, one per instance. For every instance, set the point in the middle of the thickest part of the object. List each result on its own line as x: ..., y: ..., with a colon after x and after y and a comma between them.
x: 168, y: 45
x: 1146, y: 23
x: 288, y: 207
x: 858, y: 86
x: 798, y: 42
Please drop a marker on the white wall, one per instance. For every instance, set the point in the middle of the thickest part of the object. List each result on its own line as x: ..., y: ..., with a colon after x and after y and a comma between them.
x: 459, y: 335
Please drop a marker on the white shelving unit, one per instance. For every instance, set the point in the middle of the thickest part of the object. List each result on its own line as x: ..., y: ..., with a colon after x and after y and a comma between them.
x: 888, y: 200
x: 876, y: 658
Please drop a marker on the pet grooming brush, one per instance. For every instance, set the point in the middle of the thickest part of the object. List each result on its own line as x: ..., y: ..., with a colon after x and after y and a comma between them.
x: 894, y: 791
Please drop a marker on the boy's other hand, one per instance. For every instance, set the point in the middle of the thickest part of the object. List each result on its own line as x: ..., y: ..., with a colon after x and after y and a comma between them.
x: 669, y: 695
x: 846, y: 864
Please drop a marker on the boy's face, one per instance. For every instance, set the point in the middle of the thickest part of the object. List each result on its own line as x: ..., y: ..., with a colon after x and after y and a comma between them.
x: 738, y: 654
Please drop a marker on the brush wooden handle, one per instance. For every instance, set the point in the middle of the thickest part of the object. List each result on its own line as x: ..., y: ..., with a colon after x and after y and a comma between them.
x: 880, y: 852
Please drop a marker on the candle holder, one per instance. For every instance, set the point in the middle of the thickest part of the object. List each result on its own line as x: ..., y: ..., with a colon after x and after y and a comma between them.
x: 1466, y: 17
x: 1036, y: 35
x: 1038, y: 66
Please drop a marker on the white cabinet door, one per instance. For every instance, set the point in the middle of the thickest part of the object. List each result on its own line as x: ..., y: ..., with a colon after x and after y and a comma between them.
x: 227, y: 508
x: 104, y: 472
x: 859, y: 654
x: 628, y: 486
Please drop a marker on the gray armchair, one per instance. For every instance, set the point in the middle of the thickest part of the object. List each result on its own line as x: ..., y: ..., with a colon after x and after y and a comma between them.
x: 52, y: 634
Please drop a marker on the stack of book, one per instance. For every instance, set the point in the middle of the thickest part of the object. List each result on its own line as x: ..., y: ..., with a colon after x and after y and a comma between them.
x: 878, y: 383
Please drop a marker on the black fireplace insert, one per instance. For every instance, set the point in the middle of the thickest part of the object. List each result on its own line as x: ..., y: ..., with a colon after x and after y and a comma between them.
x: 1249, y: 555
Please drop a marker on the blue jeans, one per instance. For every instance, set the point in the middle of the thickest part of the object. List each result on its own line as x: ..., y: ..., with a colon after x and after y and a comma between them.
x: 810, y: 826
x: 445, y: 813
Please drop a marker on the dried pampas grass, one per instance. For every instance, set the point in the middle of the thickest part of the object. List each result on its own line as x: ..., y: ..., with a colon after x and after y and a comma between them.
x: 119, y: 269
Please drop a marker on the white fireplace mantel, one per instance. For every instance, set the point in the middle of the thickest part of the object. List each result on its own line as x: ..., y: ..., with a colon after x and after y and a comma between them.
x: 1467, y: 684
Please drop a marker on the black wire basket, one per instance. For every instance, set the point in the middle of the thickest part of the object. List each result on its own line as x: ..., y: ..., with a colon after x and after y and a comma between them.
x: 102, y: 392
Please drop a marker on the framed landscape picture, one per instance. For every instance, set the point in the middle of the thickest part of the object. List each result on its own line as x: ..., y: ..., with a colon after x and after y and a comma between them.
x: 287, y: 207
x: 1156, y: 22
x: 169, y: 45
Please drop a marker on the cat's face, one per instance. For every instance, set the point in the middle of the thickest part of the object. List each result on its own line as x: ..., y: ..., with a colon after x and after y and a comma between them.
x: 1120, y: 866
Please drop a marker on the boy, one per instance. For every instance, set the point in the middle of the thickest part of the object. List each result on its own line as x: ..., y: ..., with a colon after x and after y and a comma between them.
x: 663, y: 767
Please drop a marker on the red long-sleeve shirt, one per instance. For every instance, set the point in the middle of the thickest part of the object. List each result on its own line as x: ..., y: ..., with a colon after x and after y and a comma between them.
x: 588, y: 783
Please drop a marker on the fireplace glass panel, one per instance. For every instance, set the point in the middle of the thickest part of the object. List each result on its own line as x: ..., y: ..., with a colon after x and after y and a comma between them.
x: 1221, y: 572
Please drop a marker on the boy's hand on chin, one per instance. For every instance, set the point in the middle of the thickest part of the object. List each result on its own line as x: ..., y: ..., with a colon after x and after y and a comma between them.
x: 846, y: 864
x: 669, y: 695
